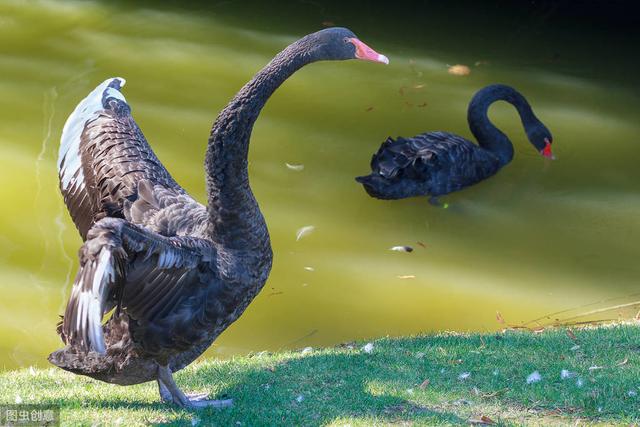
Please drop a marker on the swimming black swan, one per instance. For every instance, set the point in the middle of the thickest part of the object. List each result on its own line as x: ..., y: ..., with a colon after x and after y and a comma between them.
x: 437, y: 163
x: 175, y: 272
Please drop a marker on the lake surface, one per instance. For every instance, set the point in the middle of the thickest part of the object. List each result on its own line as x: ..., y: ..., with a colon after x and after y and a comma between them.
x: 540, y: 237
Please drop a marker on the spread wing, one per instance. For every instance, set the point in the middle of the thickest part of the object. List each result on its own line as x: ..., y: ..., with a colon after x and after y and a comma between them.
x: 167, y: 287
x: 104, y: 156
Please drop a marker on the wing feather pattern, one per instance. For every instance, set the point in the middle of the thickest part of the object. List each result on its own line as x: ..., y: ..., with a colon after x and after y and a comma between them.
x: 432, y: 163
x: 103, y: 157
x: 147, y: 275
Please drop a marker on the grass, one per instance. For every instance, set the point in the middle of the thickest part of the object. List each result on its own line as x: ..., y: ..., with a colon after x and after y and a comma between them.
x: 469, y: 376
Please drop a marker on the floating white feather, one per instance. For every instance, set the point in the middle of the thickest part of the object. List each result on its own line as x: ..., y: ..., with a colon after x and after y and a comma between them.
x: 304, y: 231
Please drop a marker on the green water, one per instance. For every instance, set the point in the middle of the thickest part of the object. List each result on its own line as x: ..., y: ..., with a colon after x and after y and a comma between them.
x: 539, y: 237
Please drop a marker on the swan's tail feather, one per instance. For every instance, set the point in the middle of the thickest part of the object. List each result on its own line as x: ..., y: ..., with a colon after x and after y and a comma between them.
x: 82, y: 322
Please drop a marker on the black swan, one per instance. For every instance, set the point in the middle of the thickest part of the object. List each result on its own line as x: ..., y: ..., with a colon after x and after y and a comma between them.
x: 437, y: 163
x: 175, y: 273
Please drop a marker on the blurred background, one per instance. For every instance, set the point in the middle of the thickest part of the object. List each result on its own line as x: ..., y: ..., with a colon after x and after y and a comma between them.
x: 540, y: 243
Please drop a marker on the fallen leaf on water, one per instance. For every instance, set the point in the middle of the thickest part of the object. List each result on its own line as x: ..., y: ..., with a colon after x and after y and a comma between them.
x: 295, y: 167
x: 424, y: 384
x: 459, y: 70
x: 424, y: 104
x: 534, y: 377
x: 484, y: 420
x: 571, y: 335
x: 623, y: 362
x: 368, y: 109
x: 499, y: 318
x: 422, y: 244
x: 303, y: 231
x: 401, y: 248
x: 406, y: 276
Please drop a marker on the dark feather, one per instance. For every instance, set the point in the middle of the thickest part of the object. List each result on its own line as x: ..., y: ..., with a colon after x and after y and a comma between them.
x: 432, y: 164
x: 116, y: 163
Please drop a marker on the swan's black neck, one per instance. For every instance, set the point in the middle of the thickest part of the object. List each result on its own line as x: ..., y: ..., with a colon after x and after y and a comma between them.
x: 490, y: 137
x: 235, y: 218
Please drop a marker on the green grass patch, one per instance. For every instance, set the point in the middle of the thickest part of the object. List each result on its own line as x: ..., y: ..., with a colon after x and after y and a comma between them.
x: 446, y: 379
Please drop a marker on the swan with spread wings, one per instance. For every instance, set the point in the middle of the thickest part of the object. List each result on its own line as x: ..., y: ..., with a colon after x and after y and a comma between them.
x: 175, y: 273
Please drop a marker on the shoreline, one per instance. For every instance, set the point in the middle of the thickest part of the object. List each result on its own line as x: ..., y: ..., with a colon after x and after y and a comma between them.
x: 557, y: 376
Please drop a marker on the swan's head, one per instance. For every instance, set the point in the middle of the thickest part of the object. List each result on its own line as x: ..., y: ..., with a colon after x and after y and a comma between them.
x: 339, y: 43
x: 542, y: 139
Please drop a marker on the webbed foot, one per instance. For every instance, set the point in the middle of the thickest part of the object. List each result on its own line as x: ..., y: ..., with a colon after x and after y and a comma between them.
x: 199, y: 400
x: 170, y: 393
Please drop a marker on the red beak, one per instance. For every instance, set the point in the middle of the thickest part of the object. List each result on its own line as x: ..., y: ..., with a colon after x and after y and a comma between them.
x: 366, y: 53
x: 546, y: 151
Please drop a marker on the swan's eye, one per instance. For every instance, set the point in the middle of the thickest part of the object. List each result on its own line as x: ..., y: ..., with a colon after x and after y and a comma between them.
x: 346, y: 40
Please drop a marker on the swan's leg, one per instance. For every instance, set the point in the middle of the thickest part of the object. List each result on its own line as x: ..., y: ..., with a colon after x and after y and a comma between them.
x: 165, y: 394
x: 170, y: 393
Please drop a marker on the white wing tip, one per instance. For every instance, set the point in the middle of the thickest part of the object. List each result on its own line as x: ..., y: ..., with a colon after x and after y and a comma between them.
x: 72, y: 130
